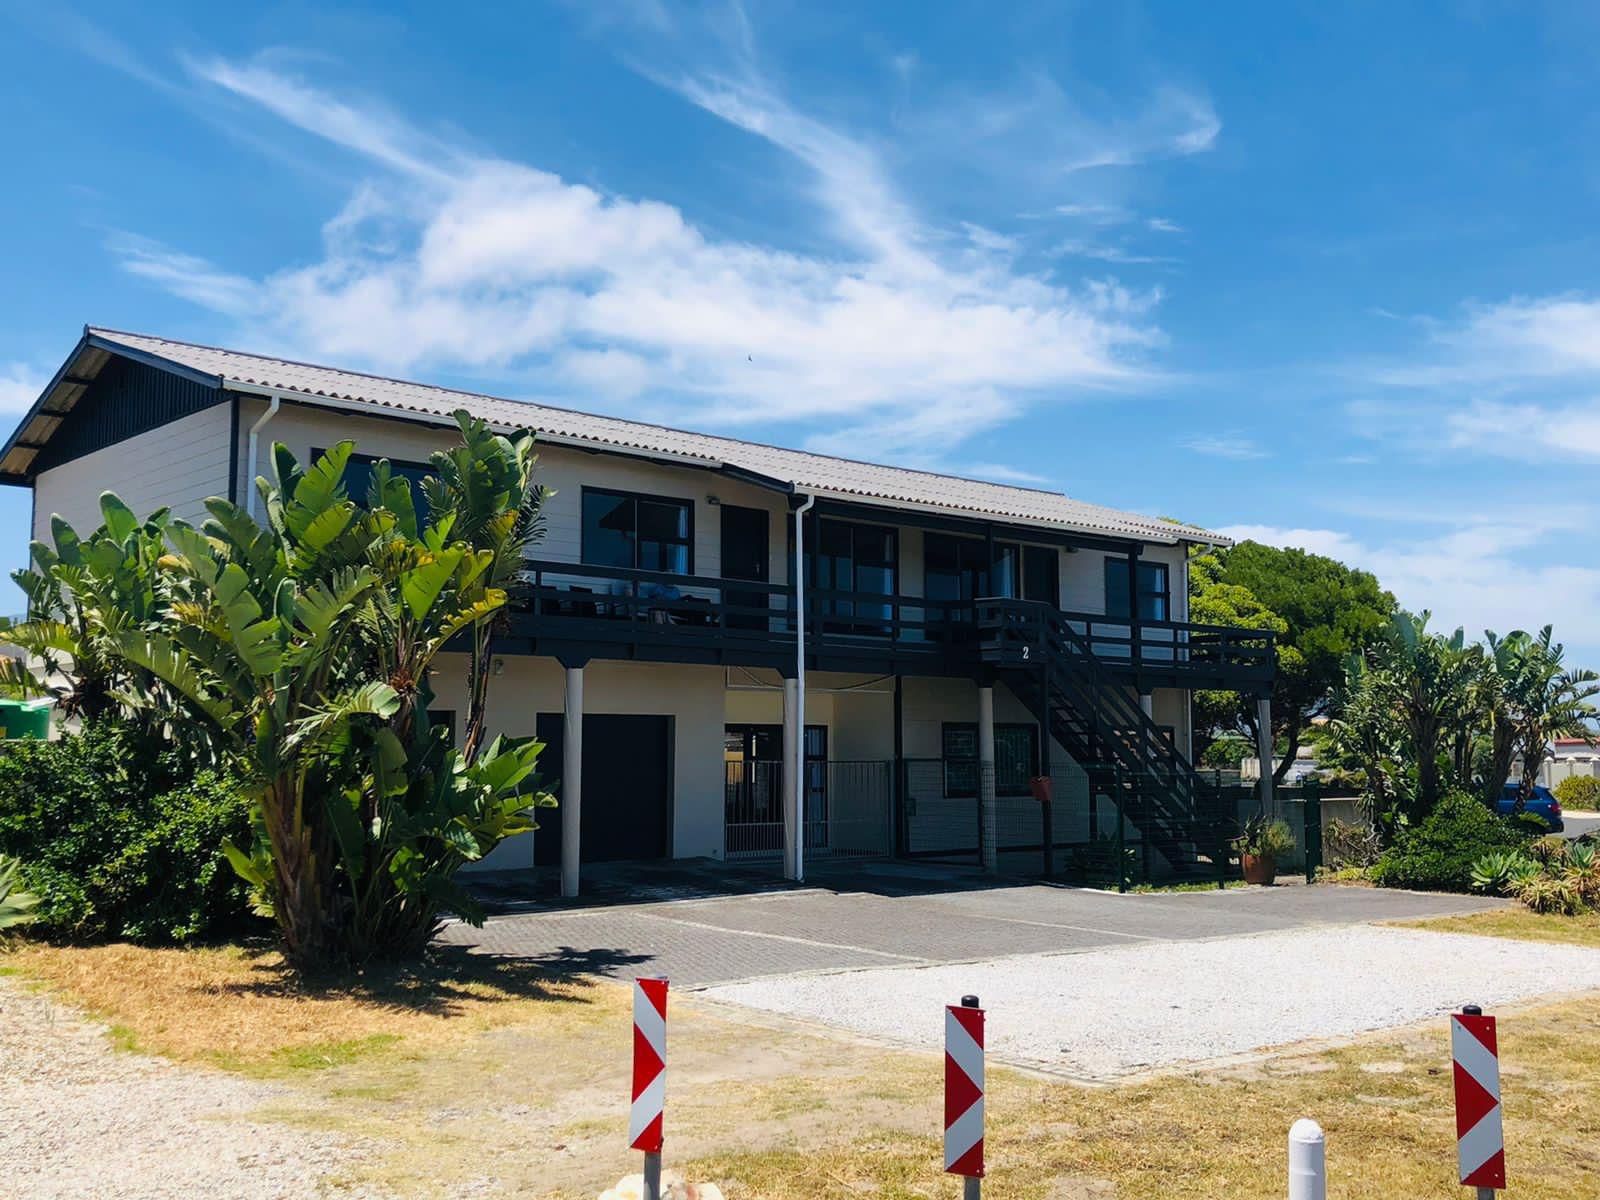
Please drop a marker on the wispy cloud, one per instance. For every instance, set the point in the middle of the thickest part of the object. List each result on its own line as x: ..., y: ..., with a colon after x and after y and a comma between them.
x: 1518, y: 379
x: 1001, y: 473
x: 907, y: 341
x: 1226, y: 445
x: 20, y: 386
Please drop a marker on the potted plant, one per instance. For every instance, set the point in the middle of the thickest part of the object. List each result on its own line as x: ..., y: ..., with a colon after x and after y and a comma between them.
x: 1259, y: 845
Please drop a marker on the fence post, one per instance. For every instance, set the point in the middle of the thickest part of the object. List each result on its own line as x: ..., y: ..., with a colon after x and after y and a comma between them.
x: 1308, y: 1161
x: 1311, y: 791
x: 1122, y: 832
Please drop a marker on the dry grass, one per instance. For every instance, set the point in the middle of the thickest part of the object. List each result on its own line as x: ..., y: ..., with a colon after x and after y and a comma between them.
x: 1519, y: 922
x: 239, y: 1007
x: 479, y: 1075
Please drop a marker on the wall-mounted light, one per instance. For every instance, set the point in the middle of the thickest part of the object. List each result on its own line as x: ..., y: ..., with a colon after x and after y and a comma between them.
x: 498, y: 667
x: 712, y: 500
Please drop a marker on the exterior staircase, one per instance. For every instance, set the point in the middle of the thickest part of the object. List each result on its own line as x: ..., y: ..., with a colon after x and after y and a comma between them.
x: 1054, y: 671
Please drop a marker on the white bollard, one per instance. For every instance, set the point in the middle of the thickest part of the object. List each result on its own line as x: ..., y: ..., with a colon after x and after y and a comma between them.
x: 1308, y: 1161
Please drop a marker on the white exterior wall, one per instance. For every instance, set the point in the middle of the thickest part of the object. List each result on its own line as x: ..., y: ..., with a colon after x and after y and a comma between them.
x: 177, y: 466
x: 567, y: 471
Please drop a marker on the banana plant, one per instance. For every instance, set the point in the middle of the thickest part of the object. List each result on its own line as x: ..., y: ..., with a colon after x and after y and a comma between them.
x: 304, y: 647
x: 81, y: 592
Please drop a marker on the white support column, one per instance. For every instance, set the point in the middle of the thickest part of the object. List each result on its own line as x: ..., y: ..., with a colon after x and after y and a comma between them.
x: 988, y: 852
x: 571, y: 781
x: 1264, y: 752
x: 793, y: 766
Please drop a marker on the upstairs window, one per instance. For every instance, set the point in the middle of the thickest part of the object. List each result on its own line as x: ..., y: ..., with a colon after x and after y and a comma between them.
x: 358, y: 478
x: 1155, y: 596
x: 646, y: 533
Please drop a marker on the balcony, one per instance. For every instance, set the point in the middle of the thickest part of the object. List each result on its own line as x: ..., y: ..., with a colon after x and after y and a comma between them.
x: 577, y: 612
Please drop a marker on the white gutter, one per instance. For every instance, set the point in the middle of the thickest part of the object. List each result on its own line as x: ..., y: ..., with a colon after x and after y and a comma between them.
x: 255, y: 435
x: 797, y: 785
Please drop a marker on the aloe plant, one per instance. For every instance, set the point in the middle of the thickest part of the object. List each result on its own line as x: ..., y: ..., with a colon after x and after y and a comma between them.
x: 16, y: 907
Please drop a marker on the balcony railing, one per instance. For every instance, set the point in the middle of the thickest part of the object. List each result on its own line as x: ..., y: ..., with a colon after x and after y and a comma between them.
x: 578, y: 602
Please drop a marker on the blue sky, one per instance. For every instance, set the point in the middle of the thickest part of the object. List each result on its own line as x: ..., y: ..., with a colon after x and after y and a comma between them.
x: 1321, y: 274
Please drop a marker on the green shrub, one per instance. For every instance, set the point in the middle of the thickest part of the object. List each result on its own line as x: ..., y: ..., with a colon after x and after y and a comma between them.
x: 1579, y: 791
x: 120, y: 840
x: 1439, y: 854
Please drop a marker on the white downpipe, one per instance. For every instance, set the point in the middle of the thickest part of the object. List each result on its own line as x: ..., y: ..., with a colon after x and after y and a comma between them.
x: 797, y: 785
x: 255, y: 439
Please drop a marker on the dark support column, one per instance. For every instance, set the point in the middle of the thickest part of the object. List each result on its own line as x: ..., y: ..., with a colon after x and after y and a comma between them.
x: 1135, y: 650
x: 1047, y: 818
x: 902, y: 840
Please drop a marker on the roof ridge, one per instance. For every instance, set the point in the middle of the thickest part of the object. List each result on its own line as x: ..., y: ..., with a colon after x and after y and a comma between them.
x: 434, y: 387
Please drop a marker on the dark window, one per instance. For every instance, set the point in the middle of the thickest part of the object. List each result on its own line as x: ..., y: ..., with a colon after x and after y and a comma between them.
x: 649, y: 533
x: 953, y: 568
x: 862, y: 560
x: 1154, y: 596
x: 1016, y: 758
x: 358, y: 478
x: 1041, y: 575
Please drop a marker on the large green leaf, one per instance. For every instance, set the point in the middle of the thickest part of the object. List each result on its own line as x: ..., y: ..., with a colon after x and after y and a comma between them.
x: 421, y: 585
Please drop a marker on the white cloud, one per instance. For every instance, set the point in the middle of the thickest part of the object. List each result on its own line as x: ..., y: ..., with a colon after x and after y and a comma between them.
x: 908, y: 340
x: 1478, y: 574
x: 1226, y: 445
x: 1002, y: 473
x: 20, y: 386
x: 1163, y: 225
x: 1526, y: 430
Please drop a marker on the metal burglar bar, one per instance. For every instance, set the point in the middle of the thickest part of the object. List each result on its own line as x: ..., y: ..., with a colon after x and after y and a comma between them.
x: 849, y: 809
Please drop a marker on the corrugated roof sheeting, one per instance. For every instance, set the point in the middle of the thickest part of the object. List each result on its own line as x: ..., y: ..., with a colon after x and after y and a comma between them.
x: 803, y: 471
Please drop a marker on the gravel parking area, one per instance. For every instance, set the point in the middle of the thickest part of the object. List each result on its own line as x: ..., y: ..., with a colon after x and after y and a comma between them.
x: 86, y: 1122
x: 1109, y: 1012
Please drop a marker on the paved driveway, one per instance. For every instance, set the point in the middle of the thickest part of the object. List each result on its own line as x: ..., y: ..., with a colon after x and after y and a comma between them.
x: 866, y: 920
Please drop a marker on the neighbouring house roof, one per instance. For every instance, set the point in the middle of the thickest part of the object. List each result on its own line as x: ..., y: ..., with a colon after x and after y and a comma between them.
x: 790, y: 470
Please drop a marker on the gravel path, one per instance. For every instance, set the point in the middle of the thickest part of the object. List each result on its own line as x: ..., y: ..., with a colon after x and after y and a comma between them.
x: 1110, y: 1012
x: 80, y: 1120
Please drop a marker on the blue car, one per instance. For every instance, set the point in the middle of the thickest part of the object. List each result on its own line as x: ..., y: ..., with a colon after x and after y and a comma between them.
x: 1541, y: 804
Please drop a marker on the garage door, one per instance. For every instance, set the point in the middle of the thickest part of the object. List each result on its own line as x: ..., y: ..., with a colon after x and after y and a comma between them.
x: 627, y: 788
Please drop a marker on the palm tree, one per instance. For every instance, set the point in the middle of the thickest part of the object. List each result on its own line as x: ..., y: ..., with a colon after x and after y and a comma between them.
x: 1429, y: 681
x: 1555, y: 702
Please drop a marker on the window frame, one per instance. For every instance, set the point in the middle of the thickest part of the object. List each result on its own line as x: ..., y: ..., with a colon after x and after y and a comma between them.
x: 960, y: 792
x: 1118, y: 568
x: 635, y: 497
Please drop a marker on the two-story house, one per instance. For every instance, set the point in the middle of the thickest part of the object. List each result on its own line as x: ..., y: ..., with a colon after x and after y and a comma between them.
x: 735, y: 650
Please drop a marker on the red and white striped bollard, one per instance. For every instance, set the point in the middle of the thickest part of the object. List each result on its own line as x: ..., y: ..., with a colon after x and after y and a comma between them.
x: 1480, y: 1136
x: 963, y: 1094
x: 649, y: 1078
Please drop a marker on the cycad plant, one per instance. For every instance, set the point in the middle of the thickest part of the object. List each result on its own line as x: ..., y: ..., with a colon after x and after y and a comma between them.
x: 304, y: 648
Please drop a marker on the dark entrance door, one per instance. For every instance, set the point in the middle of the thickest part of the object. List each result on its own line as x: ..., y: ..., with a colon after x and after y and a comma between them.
x: 745, y: 555
x: 627, y: 788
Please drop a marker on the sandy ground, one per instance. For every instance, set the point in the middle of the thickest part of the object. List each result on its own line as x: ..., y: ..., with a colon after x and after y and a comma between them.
x: 1101, y: 1014
x: 83, y: 1121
